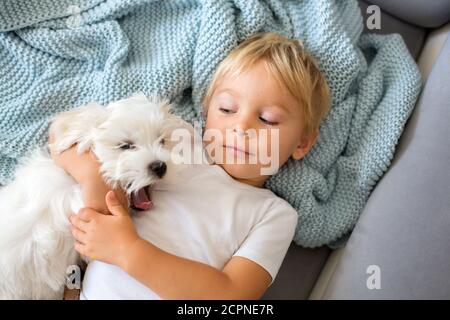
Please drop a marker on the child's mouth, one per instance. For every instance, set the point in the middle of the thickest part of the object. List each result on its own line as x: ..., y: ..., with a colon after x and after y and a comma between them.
x: 140, y: 199
x: 237, y: 151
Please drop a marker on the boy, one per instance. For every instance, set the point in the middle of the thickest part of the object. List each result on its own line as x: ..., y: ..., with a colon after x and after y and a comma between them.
x: 219, y: 234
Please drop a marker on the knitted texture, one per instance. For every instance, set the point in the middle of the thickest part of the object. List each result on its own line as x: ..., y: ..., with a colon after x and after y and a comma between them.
x: 57, y: 55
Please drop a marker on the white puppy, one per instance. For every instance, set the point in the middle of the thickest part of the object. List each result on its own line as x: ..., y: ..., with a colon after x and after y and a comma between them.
x: 131, y: 139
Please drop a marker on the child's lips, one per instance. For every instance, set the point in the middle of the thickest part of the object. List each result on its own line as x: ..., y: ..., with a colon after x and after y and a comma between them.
x: 236, y: 150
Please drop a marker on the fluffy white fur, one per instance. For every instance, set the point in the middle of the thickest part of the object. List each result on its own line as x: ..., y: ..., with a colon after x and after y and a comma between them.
x: 36, y: 245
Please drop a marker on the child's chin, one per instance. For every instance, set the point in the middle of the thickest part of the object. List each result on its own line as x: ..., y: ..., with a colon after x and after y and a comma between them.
x: 242, y: 171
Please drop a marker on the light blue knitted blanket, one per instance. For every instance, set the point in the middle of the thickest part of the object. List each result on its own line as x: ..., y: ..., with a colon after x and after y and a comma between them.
x: 59, y: 54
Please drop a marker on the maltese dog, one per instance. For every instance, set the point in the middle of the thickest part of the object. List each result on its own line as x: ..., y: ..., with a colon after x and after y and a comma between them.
x: 130, y: 138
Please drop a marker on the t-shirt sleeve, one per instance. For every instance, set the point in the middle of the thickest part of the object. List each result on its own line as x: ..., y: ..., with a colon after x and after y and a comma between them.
x: 269, y: 239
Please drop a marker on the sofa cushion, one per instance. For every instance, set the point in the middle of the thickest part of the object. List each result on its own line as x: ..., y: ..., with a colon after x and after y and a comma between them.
x: 405, y: 227
x: 298, y: 273
x: 423, y: 13
x: 413, y: 36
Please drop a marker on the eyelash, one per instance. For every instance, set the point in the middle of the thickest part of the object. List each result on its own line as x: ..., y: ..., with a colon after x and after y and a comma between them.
x: 126, y: 146
x: 131, y: 146
x: 269, y: 123
x: 226, y: 111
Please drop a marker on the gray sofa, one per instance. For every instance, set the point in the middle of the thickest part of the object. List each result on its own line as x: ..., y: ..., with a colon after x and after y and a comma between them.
x: 403, y: 235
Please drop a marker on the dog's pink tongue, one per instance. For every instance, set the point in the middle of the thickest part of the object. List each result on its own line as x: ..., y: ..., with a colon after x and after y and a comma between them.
x: 141, y: 200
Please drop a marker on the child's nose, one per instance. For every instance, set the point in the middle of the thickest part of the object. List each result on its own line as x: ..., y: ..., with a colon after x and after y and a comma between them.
x: 239, y: 131
x: 241, y: 126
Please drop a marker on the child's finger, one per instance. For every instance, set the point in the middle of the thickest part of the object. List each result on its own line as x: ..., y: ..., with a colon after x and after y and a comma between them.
x: 77, y: 222
x: 79, y: 235
x: 80, y: 248
x: 86, y: 214
x: 114, y: 205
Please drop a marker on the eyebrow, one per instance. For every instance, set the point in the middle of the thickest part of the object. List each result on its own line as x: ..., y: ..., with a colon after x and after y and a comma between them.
x: 281, y: 106
x: 234, y: 93
x: 228, y: 90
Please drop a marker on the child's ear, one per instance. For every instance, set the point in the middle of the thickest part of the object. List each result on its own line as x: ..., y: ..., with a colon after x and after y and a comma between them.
x: 305, y: 145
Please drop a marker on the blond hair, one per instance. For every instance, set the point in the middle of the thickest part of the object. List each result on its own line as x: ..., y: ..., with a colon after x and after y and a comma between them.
x: 291, y: 65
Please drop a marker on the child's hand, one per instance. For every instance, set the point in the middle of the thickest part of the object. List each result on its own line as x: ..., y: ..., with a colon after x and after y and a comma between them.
x: 104, y: 237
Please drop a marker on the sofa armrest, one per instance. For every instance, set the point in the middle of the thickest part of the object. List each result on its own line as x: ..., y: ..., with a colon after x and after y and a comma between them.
x: 405, y: 227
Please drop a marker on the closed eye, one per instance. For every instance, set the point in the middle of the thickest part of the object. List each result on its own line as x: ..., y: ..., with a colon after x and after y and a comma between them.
x: 270, y: 123
x: 226, y: 111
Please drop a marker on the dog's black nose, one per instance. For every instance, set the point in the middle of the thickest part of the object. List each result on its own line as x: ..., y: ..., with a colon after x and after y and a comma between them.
x: 158, y: 167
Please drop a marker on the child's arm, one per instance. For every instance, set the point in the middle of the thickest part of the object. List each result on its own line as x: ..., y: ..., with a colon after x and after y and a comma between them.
x: 113, y: 239
x: 84, y: 169
x: 173, y: 277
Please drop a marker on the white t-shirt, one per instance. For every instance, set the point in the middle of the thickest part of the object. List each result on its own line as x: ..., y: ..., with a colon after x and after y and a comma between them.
x: 208, y: 217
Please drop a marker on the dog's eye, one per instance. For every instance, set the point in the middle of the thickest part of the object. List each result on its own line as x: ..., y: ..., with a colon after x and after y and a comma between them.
x: 127, y: 146
x: 162, y: 141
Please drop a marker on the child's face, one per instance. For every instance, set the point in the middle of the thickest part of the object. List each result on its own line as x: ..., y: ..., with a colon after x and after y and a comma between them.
x: 255, y: 100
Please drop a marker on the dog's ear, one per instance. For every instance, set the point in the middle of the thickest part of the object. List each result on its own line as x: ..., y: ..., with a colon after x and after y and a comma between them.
x: 76, y: 126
